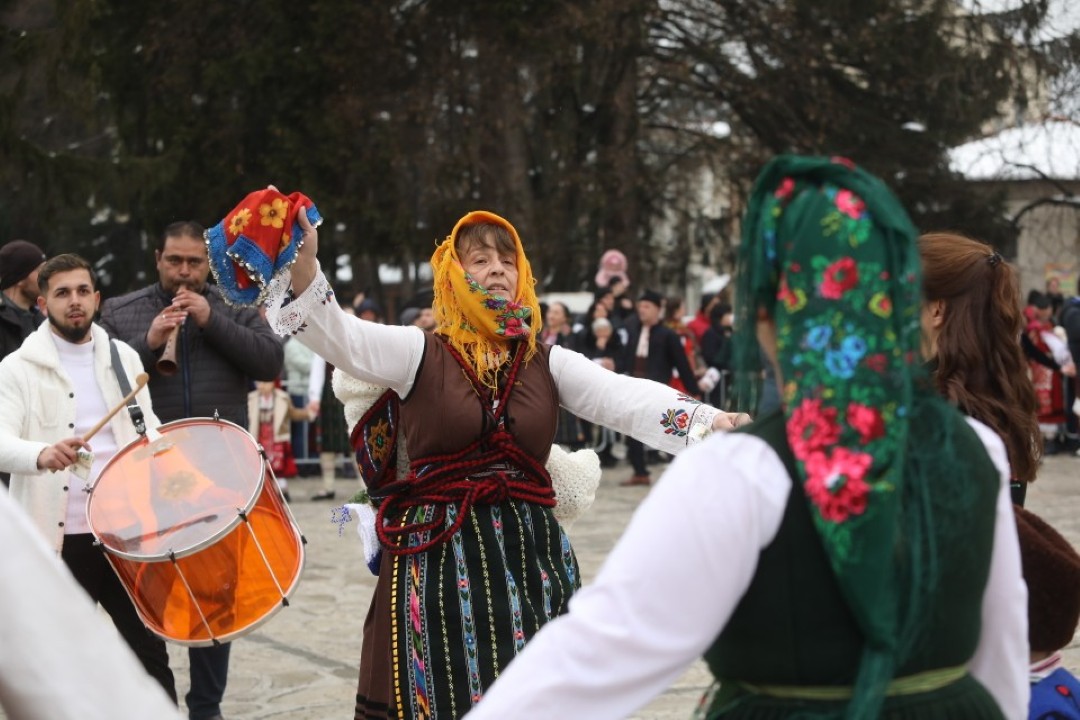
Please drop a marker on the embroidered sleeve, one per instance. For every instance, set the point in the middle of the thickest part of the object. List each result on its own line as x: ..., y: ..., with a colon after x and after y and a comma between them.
x: 285, y: 312
x: 656, y: 414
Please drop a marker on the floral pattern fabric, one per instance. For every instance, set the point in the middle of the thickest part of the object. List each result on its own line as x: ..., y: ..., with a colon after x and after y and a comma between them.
x: 829, y: 254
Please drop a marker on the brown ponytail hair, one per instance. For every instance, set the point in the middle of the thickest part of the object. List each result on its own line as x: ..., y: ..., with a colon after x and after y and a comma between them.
x: 980, y: 363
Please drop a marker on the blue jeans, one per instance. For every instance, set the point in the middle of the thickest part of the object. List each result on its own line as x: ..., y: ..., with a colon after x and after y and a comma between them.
x: 209, y: 673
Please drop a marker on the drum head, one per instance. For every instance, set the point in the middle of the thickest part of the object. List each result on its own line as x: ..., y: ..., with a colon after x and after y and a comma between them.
x: 177, y: 494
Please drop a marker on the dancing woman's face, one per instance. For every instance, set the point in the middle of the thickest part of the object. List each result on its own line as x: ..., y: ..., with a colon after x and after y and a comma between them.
x: 493, y: 267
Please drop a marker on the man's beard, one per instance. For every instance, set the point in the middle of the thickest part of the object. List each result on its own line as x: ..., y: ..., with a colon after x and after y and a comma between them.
x: 70, y: 333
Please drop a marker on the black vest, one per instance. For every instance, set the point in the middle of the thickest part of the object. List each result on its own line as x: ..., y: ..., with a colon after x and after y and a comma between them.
x: 793, y: 626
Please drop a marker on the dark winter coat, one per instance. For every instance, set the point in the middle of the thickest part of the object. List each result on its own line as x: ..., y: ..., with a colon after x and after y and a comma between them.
x: 216, y: 363
x: 15, y: 326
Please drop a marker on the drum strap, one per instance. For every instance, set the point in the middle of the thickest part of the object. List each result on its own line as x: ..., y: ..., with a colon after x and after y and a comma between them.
x: 125, y: 389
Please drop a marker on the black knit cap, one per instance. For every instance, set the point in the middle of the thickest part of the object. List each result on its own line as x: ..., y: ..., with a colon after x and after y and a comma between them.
x: 1052, y: 574
x: 652, y: 296
x: 18, y: 259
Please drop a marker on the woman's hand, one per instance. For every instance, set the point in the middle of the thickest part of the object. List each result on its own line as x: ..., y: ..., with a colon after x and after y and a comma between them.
x: 730, y: 421
x: 306, y: 266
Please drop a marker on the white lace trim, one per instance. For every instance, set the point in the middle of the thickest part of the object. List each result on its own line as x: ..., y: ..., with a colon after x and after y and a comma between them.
x: 287, y: 314
x: 574, y: 477
x: 701, y: 425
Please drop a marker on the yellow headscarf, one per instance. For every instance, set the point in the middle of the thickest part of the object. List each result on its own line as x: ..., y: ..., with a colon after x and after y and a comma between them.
x: 481, y: 326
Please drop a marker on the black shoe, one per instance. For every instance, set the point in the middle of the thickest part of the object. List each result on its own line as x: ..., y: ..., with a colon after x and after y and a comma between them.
x: 324, y: 495
x: 285, y: 494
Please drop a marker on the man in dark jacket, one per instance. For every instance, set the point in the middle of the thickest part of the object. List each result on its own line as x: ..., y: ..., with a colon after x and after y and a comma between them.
x: 219, y: 350
x: 20, y: 262
x: 652, y: 352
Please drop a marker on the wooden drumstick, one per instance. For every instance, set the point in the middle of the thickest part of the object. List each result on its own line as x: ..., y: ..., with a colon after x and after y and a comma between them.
x: 140, y: 381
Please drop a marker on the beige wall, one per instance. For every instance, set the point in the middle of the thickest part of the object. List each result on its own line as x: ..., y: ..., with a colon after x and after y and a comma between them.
x: 1049, y: 233
x: 1049, y: 240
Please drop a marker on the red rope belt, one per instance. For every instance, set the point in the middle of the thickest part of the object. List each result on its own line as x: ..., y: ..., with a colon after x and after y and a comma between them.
x: 488, y: 472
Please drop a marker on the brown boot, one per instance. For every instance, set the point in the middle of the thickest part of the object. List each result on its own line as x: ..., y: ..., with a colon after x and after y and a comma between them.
x: 636, y: 480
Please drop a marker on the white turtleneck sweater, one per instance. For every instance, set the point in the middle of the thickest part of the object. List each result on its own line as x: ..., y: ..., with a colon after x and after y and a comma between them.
x: 78, y: 362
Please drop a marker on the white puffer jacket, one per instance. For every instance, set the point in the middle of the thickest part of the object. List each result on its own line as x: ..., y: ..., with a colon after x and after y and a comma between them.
x: 38, y: 409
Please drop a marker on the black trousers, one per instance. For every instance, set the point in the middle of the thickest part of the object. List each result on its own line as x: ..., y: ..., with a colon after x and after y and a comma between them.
x: 90, y: 567
x: 635, y: 453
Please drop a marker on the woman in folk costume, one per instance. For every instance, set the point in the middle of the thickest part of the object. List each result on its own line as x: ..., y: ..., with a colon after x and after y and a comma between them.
x: 1049, y: 363
x: 850, y: 556
x: 473, y: 562
x: 973, y: 324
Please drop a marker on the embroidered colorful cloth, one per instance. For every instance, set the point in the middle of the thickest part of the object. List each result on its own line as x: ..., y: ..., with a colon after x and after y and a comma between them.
x: 481, y: 326
x: 829, y: 254
x: 256, y: 242
x: 374, y: 439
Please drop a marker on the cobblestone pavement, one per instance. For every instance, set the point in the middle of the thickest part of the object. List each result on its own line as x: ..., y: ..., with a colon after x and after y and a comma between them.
x: 302, y: 664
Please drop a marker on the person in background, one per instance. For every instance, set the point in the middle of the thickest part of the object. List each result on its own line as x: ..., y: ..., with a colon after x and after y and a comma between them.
x: 852, y: 556
x: 701, y: 322
x: 1052, y: 573
x: 53, y: 389
x: 603, y: 347
x: 1050, y: 367
x: 556, y: 331
x: 1069, y: 319
x: 972, y: 343
x: 20, y: 262
x: 331, y: 431
x: 623, y: 309
x: 1057, y: 300
x: 716, y: 351
x: 220, y: 351
x: 674, y: 312
x: 654, y: 352
x: 556, y: 327
x: 270, y: 416
x: 425, y: 320
x: 298, y: 362
x: 368, y: 309
x: 408, y: 316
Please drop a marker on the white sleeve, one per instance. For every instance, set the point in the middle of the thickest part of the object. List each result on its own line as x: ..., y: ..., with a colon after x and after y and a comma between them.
x: 316, y: 379
x: 1058, y: 349
x: 663, y: 594
x: 61, y: 658
x: 656, y: 414
x: 386, y: 355
x: 1001, y: 658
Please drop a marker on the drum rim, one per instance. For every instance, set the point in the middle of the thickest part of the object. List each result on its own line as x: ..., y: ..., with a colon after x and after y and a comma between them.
x: 206, y: 542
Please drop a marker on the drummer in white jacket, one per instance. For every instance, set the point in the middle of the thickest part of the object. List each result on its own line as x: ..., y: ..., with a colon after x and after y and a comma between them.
x: 53, y: 390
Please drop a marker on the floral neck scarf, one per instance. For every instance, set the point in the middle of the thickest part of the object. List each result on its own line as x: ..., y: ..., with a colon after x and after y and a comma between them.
x: 830, y: 255
x: 481, y: 326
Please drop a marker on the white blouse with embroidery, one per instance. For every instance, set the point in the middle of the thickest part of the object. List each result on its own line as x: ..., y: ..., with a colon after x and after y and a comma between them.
x: 677, y: 574
x: 389, y: 356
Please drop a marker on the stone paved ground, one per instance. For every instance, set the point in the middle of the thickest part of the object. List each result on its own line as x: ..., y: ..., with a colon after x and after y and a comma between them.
x: 302, y: 664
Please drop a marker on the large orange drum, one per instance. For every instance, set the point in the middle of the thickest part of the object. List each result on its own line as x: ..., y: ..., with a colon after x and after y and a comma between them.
x: 196, y: 529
